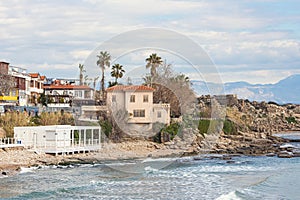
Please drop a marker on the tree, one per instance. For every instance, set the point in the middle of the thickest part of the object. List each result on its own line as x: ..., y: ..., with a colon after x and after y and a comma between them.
x: 153, y: 61
x: 172, y: 88
x: 82, y: 70
x: 117, y: 72
x: 43, y: 99
x: 103, y: 62
x: 87, y: 80
x: 94, y: 83
x: 7, y: 83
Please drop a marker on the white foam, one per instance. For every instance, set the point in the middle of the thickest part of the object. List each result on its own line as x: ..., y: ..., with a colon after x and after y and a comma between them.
x: 159, y: 159
x: 27, y: 170
x: 230, y: 196
x: 150, y: 169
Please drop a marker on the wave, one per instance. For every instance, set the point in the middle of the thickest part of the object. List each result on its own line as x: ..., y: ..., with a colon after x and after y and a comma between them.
x: 25, y: 170
x: 229, y: 196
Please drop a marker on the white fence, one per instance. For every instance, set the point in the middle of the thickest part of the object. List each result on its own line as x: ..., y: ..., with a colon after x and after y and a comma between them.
x: 9, y: 142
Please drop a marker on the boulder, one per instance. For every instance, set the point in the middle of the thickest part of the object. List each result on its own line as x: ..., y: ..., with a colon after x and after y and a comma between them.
x: 285, y: 154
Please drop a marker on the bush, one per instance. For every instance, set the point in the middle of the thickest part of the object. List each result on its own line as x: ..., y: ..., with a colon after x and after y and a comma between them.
x: 206, y: 126
x: 291, y: 120
x: 229, y: 127
x: 203, y: 126
x: 106, y: 127
x: 166, y: 133
x: 172, y: 130
x: 12, y: 119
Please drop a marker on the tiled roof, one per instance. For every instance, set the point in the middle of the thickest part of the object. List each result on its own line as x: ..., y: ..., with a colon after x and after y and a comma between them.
x: 67, y: 87
x: 130, y: 88
x: 43, y: 77
x: 34, y: 75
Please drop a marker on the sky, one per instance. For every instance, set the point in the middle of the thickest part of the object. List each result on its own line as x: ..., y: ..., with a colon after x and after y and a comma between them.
x: 249, y: 40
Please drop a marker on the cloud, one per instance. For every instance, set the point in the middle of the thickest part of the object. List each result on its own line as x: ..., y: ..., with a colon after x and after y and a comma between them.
x: 239, y: 36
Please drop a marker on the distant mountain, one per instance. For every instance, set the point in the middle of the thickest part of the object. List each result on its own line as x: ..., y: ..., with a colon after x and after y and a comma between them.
x: 285, y: 91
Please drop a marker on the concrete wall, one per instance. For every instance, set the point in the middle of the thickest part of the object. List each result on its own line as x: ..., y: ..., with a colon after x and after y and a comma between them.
x: 161, y: 113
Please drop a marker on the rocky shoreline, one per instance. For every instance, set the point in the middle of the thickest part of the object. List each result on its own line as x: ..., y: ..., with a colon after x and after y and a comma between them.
x: 254, y: 124
x: 12, y: 160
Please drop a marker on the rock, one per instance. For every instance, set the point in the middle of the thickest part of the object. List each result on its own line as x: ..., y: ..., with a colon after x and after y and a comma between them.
x: 230, y: 161
x: 271, y: 154
x: 285, y: 154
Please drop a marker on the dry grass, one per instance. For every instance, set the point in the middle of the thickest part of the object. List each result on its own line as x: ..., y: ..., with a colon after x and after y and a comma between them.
x: 13, y: 119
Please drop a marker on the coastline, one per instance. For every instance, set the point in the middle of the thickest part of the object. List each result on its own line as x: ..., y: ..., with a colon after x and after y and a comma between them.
x: 12, y: 160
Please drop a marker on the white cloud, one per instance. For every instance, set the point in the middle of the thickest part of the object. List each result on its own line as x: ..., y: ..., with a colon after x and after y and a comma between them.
x: 240, y: 36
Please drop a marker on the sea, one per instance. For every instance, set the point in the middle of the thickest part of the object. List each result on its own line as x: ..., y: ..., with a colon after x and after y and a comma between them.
x: 200, y: 177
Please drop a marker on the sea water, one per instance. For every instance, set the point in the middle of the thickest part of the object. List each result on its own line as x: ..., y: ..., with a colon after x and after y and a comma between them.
x: 207, y: 177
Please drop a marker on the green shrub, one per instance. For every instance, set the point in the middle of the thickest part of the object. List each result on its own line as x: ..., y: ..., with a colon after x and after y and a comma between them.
x: 165, y: 133
x: 207, y: 126
x: 203, y: 126
x: 106, y: 127
x: 172, y: 130
x: 291, y: 120
x: 229, y: 127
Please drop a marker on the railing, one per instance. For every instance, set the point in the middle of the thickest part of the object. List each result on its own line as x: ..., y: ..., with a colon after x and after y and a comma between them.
x: 9, y: 142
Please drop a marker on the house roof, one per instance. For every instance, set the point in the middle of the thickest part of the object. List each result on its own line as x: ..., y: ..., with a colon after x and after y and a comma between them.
x: 34, y: 75
x: 130, y: 88
x: 43, y: 77
x: 67, y: 87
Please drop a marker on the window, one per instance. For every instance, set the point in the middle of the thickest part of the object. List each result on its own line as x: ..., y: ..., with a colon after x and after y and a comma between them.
x: 113, y: 98
x: 13, y: 93
x: 145, y: 98
x: 78, y: 93
x: 138, y: 113
x: 159, y: 114
x: 132, y: 98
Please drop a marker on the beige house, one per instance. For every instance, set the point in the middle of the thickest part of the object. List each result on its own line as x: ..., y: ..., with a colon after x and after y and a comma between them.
x: 35, y: 87
x: 132, y: 106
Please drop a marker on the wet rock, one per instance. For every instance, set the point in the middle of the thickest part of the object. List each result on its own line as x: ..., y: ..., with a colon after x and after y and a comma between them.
x: 230, y: 162
x: 285, y: 154
x: 271, y: 154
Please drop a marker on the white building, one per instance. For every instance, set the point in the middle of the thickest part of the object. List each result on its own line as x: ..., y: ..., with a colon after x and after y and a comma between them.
x: 22, y: 84
x: 59, y: 138
x: 60, y: 95
x: 136, y: 103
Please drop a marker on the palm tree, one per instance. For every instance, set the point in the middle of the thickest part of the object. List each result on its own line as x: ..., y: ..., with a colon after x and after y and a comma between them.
x: 147, y: 80
x: 94, y: 82
x: 117, y: 72
x: 153, y: 61
x: 86, y: 80
x: 103, y: 61
x: 82, y: 70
